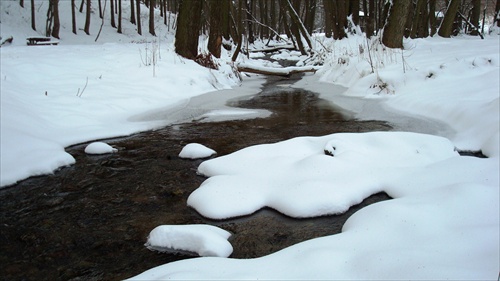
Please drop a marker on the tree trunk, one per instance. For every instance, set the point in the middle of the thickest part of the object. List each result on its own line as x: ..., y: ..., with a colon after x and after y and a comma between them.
x: 393, y: 33
x: 132, y: 12
x: 476, y: 14
x: 112, y: 13
x: 250, y: 34
x: 138, y: 10
x: 119, y: 16
x: 310, y: 15
x: 100, y: 9
x: 87, y: 18
x: 297, y: 21
x: 354, y: 11
x: 340, y: 25
x: 57, y: 23
x: 418, y: 18
x: 73, y: 16
x: 296, y: 33
x: 446, y: 27
x: 33, y: 18
x: 225, y: 19
x: 152, y: 5
x: 497, y: 13
x: 370, y: 20
x: 215, y: 34
x: 328, y: 7
x: 240, y: 31
x: 432, y: 16
x: 188, y: 28
x: 21, y: 3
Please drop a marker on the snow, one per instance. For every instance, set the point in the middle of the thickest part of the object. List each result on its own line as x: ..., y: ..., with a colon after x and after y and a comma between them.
x: 300, y: 178
x: 56, y: 96
x: 205, y: 240
x: 196, y: 151
x: 443, y: 220
x: 99, y: 148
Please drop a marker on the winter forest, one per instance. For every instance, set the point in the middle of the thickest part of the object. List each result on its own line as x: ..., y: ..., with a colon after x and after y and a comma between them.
x: 250, y: 139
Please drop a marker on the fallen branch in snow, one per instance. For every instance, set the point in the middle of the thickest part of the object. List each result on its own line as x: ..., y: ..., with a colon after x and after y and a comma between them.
x: 285, y: 72
x: 78, y: 94
x: 274, y: 49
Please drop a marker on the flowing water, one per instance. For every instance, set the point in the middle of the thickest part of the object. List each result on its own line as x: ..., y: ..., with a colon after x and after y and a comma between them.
x: 90, y: 221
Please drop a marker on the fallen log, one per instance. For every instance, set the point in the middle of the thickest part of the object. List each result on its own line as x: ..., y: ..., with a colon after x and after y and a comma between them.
x: 274, y: 49
x: 284, y: 72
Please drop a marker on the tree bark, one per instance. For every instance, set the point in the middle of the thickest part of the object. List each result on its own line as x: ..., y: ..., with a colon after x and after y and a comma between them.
x: 57, y: 23
x: 73, y: 16
x: 152, y: 5
x: 240, y: 31
x: 188, y: 28
x: 328, y: 7
x: 119, y: 30
x: 393, y: 33
x: 215, y: 34
x: 138, y: 10
x: 87, y: 19
x: 354, y: 11
x: 33, y: 17
x: 432, y: 16
x: 112, y: 13
x: 497, y: 13
x: 340, y: 14
x: 446, y: 27
x: 476, y: 14
x: 132, y: 12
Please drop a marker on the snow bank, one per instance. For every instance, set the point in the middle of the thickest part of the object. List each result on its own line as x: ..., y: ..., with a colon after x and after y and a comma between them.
x: 452, y: 81
x: 56, y: 96
x: 205, y: 240
x: 448, y: 234
x: 300, y: 178
x: 195, y: 151
x: 443, y: 222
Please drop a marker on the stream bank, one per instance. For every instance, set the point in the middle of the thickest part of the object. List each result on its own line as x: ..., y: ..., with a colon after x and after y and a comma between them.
x: 90, y: 221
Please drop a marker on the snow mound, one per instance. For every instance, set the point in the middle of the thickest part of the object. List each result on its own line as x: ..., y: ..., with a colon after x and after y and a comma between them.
x: 196, y: 151
x: 205, y: 240
x: 300, y: 178
x: 99, y: 148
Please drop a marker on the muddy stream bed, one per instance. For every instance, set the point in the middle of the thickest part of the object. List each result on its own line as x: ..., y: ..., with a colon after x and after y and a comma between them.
x: 90, y: 221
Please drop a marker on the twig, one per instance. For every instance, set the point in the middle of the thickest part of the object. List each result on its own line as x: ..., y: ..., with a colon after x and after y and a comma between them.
x: 78, y: 94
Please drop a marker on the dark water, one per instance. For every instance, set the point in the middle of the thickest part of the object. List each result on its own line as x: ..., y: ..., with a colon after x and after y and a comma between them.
x: 90, y: 221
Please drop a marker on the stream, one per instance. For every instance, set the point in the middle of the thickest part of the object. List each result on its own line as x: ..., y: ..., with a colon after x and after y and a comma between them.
x: 90, y: 221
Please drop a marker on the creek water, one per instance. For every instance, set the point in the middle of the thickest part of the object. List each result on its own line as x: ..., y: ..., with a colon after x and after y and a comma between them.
x: 90, y: 221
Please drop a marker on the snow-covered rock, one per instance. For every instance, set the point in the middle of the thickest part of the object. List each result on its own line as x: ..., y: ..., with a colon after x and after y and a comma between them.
x: 99, y: 148
x: 196, y: 151
x: 205, y: 240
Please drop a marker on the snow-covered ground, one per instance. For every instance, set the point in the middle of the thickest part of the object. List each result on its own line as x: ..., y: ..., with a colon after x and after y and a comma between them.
x: 443, y: 222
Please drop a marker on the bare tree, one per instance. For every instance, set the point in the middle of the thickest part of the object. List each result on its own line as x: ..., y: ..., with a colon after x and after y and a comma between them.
x: 152, y: 5
x: 33, y: 20
x: 57, y: 23
x: 446, y: 27
x: 392, y: 36
x: 138, y: 10
x: 132, y: 12
x: 215, y: 33
x: 188, y: 28
x: 112, y: 13
x: 73, y: 16
x: 119, y: 16
x: 497, y: 13
x: 87, y: 18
